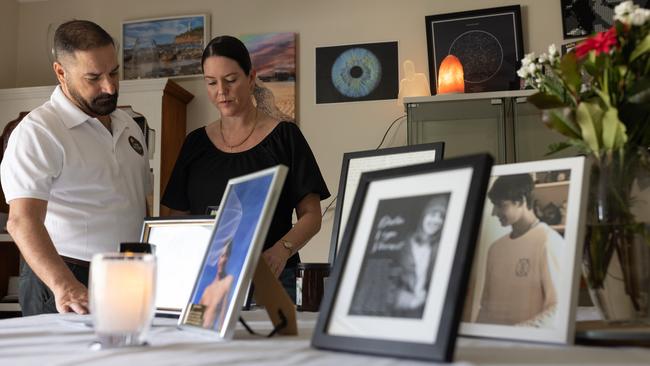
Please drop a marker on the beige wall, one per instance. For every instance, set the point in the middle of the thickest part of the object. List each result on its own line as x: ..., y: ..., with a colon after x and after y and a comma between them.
x: 9, y: 42
x: 331, y: 129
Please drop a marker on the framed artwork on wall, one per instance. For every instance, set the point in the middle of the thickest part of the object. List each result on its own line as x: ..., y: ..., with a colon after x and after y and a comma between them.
x: 488, y: 43
x: 274, y: 58
x: 358, y: 72
x: 232, y: 253
x: 524, y: 282
x: 164, y: 47
x: 581, y: 18
x: 397, y: 286
x: 356, y: 163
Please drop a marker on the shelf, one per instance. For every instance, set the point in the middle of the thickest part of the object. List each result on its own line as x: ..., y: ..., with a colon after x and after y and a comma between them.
x: 9, y: 306
x: 4, y: 237
x: 470, y: 96
x: 552, y: 184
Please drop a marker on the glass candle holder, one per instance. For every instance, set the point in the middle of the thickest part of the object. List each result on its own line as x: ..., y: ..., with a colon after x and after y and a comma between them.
x: 122, y: 293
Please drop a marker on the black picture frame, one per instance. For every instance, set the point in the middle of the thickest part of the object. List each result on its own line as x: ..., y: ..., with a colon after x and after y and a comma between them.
x: 368, y: 160
x: 488, y: 42
x: 581, y: 18
x: 431, y: 337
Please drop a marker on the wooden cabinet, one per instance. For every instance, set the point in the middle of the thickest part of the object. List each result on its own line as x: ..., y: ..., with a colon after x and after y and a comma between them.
x: 161, y: 101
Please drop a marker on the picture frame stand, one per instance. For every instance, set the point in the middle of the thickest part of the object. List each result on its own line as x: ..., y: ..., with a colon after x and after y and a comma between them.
x: 270, y: 294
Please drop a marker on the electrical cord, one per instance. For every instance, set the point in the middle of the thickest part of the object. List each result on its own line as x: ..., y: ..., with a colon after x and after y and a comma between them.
x: 377, y: 148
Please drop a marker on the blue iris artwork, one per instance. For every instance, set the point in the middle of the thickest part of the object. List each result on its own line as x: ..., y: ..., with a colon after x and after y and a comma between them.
x: 358, y: 72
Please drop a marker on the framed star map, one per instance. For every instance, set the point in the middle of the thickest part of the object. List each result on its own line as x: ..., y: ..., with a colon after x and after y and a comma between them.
x: 488, y: 43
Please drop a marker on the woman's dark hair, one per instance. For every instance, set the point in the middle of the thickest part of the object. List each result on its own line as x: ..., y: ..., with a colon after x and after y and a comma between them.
x: 515, y: 188
x: 231, y: 47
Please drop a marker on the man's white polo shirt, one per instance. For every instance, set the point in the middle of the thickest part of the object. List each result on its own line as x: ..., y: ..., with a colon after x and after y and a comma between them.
x: 95, y: 182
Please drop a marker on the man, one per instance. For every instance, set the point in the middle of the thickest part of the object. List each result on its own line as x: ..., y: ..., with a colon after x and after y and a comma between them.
x: 519, y: 288
x: 75, y: 174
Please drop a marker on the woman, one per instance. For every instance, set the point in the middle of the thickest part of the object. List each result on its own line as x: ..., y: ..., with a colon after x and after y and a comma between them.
x: 244, y: 140
x: 418, y: 257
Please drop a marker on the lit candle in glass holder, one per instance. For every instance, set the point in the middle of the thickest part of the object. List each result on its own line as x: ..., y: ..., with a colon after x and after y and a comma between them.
x: 122, y: 293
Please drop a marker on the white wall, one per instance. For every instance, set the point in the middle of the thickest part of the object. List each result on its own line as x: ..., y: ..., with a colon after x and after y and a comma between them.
x: 331, y: 129
x: 9, y: 42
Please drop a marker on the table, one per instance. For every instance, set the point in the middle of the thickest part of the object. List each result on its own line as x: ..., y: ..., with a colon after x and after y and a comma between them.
x: 63, y: 339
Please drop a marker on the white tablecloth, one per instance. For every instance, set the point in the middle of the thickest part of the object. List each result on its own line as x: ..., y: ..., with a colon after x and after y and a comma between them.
x: 64, y: 339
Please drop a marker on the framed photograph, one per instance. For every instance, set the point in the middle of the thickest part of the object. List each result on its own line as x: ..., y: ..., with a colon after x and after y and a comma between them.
x: 179, y: 245
x: 164, y: 47
x: 358, y: 162
x: 524, y: 282
x: 488, y: 43
x: 234, y: 248
x: 274, y: 58
x: 357, y: 72
x: 397, y: 286
x: 582, y: 18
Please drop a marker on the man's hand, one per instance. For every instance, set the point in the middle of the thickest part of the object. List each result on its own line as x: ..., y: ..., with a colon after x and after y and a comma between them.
x: 72, y: 298
x: 276, y: 257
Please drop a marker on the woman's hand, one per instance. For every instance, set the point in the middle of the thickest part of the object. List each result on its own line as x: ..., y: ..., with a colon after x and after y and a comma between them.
x: 276, y: 257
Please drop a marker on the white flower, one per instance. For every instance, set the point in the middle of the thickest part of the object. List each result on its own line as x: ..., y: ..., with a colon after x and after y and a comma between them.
x: 552, y: 51
x: 639, y: 17
x: 624, y: 8
x: 522, y: 73
x: 528, y: 59
x: 542, y: 58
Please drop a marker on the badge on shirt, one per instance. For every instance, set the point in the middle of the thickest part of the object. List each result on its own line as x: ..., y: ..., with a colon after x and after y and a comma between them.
x: 136, y: 145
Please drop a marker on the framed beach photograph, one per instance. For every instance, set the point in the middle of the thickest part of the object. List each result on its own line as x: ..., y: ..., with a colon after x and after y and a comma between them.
x: 164, y: 47
x: 397, y: 286
x: 179, y: 245
x: 358, y: 162
x: 488, y: 43
x: 233, y: 251
x: 357, y: 72
x: 526, y: 271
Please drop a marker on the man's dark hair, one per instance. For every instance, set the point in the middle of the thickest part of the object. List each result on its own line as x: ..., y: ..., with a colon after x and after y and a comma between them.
x: 515, y: 188
x: 79, y: 35
x: 230, y: 47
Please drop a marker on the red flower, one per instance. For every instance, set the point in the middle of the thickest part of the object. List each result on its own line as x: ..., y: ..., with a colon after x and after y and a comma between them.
x: 601, y: 42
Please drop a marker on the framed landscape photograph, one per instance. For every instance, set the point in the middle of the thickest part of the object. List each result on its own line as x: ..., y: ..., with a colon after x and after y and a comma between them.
x: 397, y: 286
x: 164, y: 47
x: 524, y: 282
x: 274, y: 58
x: 488, y: 43
x: 179, y: 245
x: 233, y: 251
x: 358, y: 162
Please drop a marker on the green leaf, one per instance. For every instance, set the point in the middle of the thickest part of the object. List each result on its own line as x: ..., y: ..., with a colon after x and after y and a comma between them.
x: 587, y: 126
x: 643, y: 47
x: 611, y: 126
x: 639, y: 93
x: 570, y: 71
x: 556, y: 120
x: 557, y: 147
x: 546, y: 101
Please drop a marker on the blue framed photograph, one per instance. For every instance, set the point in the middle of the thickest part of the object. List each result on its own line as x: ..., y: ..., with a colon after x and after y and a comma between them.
x: 164, y: 47
x: 235, y: 246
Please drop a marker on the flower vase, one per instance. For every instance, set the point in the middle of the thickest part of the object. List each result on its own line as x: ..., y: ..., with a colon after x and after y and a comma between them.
x: 616, y: 262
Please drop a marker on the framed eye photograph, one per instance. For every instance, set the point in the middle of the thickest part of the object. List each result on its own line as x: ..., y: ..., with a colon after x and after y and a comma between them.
x: 525, y: 277
x: 358, y: 162
x: 233, y: 251
x: 397, y: 286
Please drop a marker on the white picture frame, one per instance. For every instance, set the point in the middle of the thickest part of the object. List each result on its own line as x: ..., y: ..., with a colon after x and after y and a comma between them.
x: 235, y: 246
x: 555, y: 180
x: 179, y: 245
